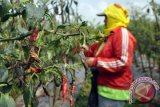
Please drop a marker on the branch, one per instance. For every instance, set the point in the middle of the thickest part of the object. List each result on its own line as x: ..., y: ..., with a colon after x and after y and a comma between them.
x: 22, y: 36
x: 66, y: 35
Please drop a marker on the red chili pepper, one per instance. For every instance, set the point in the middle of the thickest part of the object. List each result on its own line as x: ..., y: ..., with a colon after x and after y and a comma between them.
x: 64, y: 88
x: 73, y: 89
x: 34, y: 35
x: 34, y: 70
x: 71, y: 100
x: 75, y: 50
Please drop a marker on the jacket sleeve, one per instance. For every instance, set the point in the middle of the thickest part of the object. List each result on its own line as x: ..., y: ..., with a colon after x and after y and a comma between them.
x: 122, y: 50
x: 90, y: 51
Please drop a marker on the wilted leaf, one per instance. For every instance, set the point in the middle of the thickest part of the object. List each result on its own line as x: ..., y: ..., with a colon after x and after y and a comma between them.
x: 75, y: 2
x: 148, y: 10
x: 67, y: 9
x: 56, y: 9
x: 84, y: 23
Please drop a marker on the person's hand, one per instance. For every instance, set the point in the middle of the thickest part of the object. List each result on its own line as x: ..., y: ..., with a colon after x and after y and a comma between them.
x: 89, y: 61
x: 84, y: 46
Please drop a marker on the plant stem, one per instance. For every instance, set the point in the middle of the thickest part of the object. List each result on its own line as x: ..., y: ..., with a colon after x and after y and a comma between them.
x: 21, y: 37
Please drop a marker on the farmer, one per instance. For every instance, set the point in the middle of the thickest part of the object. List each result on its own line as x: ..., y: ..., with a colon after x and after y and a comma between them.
x: 112, y: 58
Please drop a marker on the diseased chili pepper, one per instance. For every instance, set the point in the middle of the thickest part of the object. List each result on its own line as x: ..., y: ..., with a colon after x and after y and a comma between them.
x: 34, y: 35
x: 64, y: 88
x: 34, y: 53
x: 71, y: 100
x: 73, y: 89
x: 33, y: 56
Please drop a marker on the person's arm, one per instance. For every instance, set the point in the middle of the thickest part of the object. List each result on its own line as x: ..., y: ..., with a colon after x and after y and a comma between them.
x: 89, y: 51
x: 123, y: 52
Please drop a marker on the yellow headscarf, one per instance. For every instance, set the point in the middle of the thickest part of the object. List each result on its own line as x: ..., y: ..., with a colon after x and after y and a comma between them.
x: 116, y: 16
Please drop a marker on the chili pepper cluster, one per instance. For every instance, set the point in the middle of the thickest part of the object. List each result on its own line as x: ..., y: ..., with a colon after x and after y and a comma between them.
x: 64, y: 90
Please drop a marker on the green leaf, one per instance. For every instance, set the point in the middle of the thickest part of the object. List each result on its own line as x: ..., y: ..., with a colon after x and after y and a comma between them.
x: 57, y: 80
x: 5, y: 6
x: 62, y: 26
x: 34, y: 13
x: 3, y: 73
x: 26, y: 51
x: 49, y: 54
x: 34, y: 102
x: 5, y: 18
x: 24, y: 1
x: 2, y: 85
x: 7, y: 101
x: 26, y: 96
x: 6, y: 89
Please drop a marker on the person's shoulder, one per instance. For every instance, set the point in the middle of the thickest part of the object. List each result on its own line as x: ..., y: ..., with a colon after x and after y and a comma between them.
x: 119, y: 29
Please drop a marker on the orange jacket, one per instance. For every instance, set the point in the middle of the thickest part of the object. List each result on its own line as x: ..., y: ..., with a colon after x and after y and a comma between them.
x: 115, y: 59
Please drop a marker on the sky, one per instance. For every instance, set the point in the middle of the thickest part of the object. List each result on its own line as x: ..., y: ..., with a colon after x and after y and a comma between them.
x: 89, y: 8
